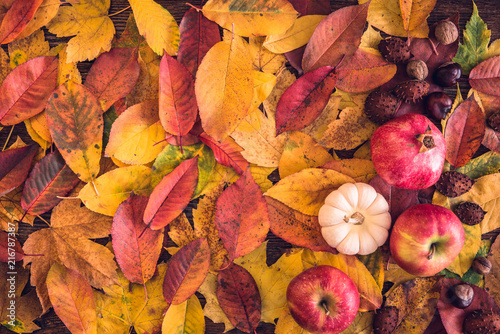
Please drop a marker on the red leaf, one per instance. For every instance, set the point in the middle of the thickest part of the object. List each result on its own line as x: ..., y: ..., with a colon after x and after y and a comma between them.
x: 338, y: 35
x: 311, y: 7
x: 364, y: 71
x: 198, y: 34
x: 295, y: 227
x: 464, y: 132
x: 15, y: 165
x: 136, y: 252
x: 16, y: 19
x: 491, y: 139
x: 239, y: 297
x: 226, y: 153
x: 171, y: 196
x: 10, y: 248
x: 26, y: 90
x: 295, y: 58
x: 186, y: 271
x: 113, y: 75
x: 241, y: 216
x: 305, y: 99
x: 453, y: 317
x: 485, y: 77
x: 178, y: 108
x: 50, y: 178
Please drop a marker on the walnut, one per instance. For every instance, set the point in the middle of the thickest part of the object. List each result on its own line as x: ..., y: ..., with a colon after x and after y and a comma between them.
x: 446, y: 32
x: 417, y: 69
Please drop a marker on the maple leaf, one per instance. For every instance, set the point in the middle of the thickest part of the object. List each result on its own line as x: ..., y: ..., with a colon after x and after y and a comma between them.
x: 88, y: 21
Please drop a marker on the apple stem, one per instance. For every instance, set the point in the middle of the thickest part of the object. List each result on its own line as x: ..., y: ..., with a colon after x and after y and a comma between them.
x: 325, y: 306
x: 432, y: 251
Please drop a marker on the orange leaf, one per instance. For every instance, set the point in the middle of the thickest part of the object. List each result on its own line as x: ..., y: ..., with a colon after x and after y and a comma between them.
x: 15, y: 164
x: 136, y: 252
x: 226, y: 153
x: 242, y: 218
x: 186, y: 271
x: 338, y: 35
x: 485, y: 76
x: 72, y: 298
x: 171, y: 196
x: 361, y: 170
x: 239, y: 297
x: 9, y: 252
x: 17, y: 18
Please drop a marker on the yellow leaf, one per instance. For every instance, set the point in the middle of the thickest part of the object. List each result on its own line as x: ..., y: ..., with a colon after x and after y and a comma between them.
x: 251, y: 18
x: 415, y: 12
x: 371, y: 38
x: 361, y: 170
x: 486, y: 193
x: 184, y: 318
x: 220, y: 175
x: 263, y: 59
x: 224, y: 87
x: 386, y: 16
x: 362, y: 324
x: 369, y: 292
x: 157, y: 25
x: 301, y: 152
x: 296, y: 36
x: 180, y: 231
x: 463, y: 261
x: 352, y: 129
x: 147, y: 85
x: 38, y: 130
x: 287, y: 325
x: 363, y: 152
x: 212, y: 309
x: 88, y: 21
x: 492, y: 280
x: 317, y: 128
x: 305, y: 191
x: 263, y: 84
x: 396, y: 275
x: 114, y: 187
x: 125, y: 305
x: 137, y: 136
x: 67, y: 70
x: 493, y: 49
x: 260, y: 176
x: 22, y: 50
x: 4, y: 65
x: 43, y: 15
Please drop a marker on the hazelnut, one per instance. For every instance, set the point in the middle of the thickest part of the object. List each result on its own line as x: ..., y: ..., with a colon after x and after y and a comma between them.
x: 417, y: 69
x: 461, y: 295
x: 481, y: 265
x: 446, y: 32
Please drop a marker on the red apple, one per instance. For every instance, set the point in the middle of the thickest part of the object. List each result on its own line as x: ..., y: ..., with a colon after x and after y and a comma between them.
x: 323, y: 299
x: 426, y: 238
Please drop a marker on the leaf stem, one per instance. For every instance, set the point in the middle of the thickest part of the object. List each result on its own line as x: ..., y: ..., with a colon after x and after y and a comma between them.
x: 46, y: 222
x: 8, y: 138
x: 120, y: 11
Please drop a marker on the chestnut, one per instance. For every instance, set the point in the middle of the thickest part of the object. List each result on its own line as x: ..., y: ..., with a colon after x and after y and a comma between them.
x: 447, y: 74
x: 461, y: 295
x: 438, y: 105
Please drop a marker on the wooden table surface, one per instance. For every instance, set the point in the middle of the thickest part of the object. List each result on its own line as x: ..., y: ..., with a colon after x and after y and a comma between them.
x: 489, y: 11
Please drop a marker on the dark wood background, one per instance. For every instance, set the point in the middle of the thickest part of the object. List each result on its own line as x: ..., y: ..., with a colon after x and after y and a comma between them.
x: 488, y: 10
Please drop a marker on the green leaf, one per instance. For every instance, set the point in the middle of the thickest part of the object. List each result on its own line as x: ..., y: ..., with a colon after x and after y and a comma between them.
x: 485, y: 164
x: 475, y: 43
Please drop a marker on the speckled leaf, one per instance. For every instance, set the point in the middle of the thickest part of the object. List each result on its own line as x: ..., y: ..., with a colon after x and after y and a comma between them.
x: 361, y: 170
x: 487, y: 163
x: 17, y: 18
x: 186, y: 271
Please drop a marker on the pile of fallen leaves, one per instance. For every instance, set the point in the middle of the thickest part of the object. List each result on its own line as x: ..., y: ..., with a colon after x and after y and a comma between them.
x: 170, y: 115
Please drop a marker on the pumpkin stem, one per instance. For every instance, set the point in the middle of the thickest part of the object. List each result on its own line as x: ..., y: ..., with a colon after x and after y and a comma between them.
x: 356, y: 218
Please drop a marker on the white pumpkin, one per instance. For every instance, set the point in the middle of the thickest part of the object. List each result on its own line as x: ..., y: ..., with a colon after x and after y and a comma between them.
x: 355, y: 219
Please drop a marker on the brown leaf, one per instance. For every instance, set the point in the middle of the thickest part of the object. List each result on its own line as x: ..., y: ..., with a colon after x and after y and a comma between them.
x: 485, y: 78
x: 361, y: 170
x: 492, y: 280
x: 15, y: 164
x: 239, y: 297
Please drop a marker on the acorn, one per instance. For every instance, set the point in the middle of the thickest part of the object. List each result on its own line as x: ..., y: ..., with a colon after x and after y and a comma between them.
x: 453, y: 184
x: 381, y: 106
x: 385, y: 320
x: 395, y: 50
x: 461, y: 295
x: 470, y: 213
x: 482, y: 321
x: 481, y: 265
x: 411, y: 90
x: 494, y: 121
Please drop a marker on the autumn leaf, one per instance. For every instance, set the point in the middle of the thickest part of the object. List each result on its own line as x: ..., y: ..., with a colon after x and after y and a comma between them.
x: 26, y: 90
x: 485, y: 164
x: 227, y: 153
x: 171, y: 196
x: 416, y: 301
x: 317, y: 128
x: 462, y: 263
x: 264, y: 60
x: 186, y: 317
x: 464, y: 132
x: 197, y: 35
x: 137, y: 136
x: 305, y: 191
x: 11, y: 247
x: 338, y: 35
x: 492, y: 280
x: 287, y: 325
x: 415, y: 12
x: 17, y: 18
x: 484, y: 77
x: 89, y: 23
x: 50, y: 179
x: 361, y: 170
x: 301, y: 152
x: 28, y: 48
x: 259, y: 18
x: 241, y: 217
x: 224, y: 87
x: 115, y: 187
x: 136, y: 247
x: 15, y: 164
x: 125, y: 305
x: 305, y: 99
x: 67, y: 241
x: 43, y: 15
x: 186, y: 271
x: 239, y: 297
x: 11, y: 210
x: 72, y: 298
x: 75, y: 122
x: 157, y: 25
x: 113, y: 75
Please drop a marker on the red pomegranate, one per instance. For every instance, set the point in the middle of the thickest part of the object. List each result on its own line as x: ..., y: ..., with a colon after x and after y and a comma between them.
x: 408, y: 152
